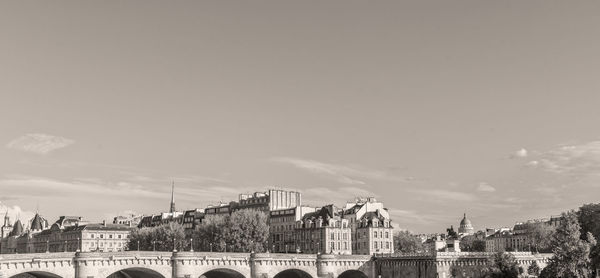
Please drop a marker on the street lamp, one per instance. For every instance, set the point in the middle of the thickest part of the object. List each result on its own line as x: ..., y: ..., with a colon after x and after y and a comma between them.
x: 138, y: 245
x: 174, y: 245
x: 286, y: 249
x: 191, y: 245
x: 78, y: 244
x: 154, y: 245
x: 65, y: 247
x: 210, y: 247
x: 47, y: 246
x: 225, y: 247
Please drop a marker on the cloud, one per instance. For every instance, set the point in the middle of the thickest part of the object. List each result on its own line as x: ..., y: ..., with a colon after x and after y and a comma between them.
x: 520, y: 153
x: 582, y: 159
x: 485, y: 187
x: 440, y: 194
x: 342, y: 173
x: 15, y: 212
x: 39, y: 143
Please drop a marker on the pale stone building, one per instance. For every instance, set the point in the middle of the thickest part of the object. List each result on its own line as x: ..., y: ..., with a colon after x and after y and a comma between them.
x: 68, y: 234
x: 371, y: 226
x: 282, y: 224
x: 324, y: 231
x: 374, y: 235
x: 270, y: 200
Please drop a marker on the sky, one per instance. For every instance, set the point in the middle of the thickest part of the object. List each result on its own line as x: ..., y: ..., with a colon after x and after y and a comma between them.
x: 436, y: 108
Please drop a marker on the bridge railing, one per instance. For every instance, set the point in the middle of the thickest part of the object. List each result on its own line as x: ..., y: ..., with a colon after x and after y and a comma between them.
x: 36, y: 255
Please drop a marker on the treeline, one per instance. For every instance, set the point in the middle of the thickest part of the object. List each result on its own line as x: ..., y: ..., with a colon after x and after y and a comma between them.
x: 242, y: 231
x: 576, y: 252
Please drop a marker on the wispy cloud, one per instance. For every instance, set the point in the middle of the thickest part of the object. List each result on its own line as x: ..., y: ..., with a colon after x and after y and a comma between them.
x: 582, y: 159
x: 39, y: 143
x: 440, y: 194
x: 15, y: 212
x: 485, y: 187
x: 520, y: 153
x: 341, y: 173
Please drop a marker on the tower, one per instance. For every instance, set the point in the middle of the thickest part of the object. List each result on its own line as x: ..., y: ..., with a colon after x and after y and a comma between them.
x: 172, y: 209
x: 7, y: 227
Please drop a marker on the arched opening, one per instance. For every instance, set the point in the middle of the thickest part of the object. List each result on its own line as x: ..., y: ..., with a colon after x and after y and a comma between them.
x: 353, y: 274
x: 136, y: 272
x: 222, y: 273
x: 292, y: 273
x: 36, y: 274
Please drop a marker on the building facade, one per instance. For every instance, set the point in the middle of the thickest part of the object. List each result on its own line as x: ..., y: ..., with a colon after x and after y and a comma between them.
x: 68, y: 234
x: 270, y: 200
x: 371, y: 226
x: 374, y: 235
x: 282, y: 224
x: 323, y: 231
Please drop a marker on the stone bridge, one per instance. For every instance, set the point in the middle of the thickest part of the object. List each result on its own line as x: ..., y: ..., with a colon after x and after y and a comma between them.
x: 185, y: 265
x: 247, y: 265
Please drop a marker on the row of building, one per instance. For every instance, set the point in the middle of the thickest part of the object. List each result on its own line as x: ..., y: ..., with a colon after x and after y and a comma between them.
x: 360, y: 227
x: 67, y: 234
x: 517, y: 238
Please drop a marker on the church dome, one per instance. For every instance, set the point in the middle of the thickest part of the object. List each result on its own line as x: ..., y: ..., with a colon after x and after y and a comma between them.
x: 465, y: 226
x: 465, y: 222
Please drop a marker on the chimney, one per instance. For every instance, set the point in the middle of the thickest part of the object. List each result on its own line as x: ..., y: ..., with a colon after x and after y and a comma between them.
x: 104, y: 223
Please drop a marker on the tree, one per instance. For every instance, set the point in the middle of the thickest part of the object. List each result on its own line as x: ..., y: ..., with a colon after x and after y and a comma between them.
x: 539, y: 235
x: 502, y: 265
x: 589, y: 219
x: 405, y: 242
x: 248, y: 231
x: 243, y: 230
x: 534, y: 269
x: 571, y: 253
x: 159, y: 238
x: 471, y: 243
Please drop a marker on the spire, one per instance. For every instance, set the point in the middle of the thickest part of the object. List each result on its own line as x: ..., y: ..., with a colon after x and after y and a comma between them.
x: 172, y: 209
x: 6, y: 219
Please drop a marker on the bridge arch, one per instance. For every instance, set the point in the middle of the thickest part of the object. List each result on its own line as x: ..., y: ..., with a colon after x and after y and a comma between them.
x: 353, y: 274
x: 222, y: 273
x: 36, y: 274
x: 135, y: 272
x: 293, y: 273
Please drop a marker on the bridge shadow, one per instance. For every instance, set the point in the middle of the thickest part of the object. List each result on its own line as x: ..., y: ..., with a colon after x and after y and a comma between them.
x: 222, y: 273
x: 352, y: 274
x: 136, y: 272
x: 35, y: 274
x: 292, y: 273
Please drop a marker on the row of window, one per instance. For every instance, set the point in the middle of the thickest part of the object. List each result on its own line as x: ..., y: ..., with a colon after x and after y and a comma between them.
x: 109, y: 236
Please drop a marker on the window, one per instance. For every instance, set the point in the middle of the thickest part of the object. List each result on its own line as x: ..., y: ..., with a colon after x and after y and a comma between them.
x: 101, y: 236
x: 110, y: 236
x: 92, y: 235
x: 333, y: 246
x: 375, y: 234
x: 387, y: 235
x: 375, y: 244
x: 387, y: 245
